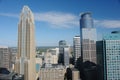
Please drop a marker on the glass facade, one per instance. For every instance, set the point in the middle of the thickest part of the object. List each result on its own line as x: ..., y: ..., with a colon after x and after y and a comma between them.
x: 62, y: 44
x: 37, y: 67
x: 112, y: 56
x: 76, y: 46
x: 66, y: 56
x: 88, y: 38
x: 86, y: 20
x: 63, y: 52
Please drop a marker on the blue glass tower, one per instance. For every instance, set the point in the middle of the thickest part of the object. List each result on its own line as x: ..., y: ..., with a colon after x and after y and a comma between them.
x: 86, y: 20
x: 63, y: 53
x: 111, y: 54
x: 88, y: 38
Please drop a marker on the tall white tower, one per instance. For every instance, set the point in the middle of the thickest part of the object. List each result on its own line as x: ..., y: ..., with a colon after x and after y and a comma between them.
x: 25, y: 61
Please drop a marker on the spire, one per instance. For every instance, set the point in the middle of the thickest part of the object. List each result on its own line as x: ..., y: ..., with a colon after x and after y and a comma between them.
x: 26, y: 9
x: 26, y: 14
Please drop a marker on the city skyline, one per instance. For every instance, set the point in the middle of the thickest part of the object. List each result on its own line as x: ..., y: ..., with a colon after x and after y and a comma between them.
x: 57, y: 20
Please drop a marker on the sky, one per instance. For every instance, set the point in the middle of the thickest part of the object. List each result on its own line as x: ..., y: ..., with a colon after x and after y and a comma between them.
x: 57, y: 20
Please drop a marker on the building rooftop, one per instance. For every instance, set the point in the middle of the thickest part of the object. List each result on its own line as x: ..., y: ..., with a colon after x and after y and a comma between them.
x: 84, y: 13
x: 74, y: 69
x: 115, y: 35
x: 57, y: 66
x: 115, y: 32
x: 77, y: 37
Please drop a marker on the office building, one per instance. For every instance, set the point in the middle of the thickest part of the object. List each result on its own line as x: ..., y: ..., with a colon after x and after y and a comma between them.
x: 76, y: 47
x: 14, y: 50
x: 100, y: 58
x: 50, y: 58
x: 111, y: 56
x: 64, y: 51
x: 62, y: 44
x: 72, y: 74
x: 88, y: 38
x: 56, y: 73
x: 55, y: 54
x: 54, y: 50
x: 5, y: 57
x: 38, y: 63
x: 66, y: 56
x: 25, y: 60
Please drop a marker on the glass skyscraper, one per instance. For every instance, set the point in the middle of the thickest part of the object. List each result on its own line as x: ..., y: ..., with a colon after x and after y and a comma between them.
x: 111, y: 54
x: 76, y: 47
x: 64, y: 53
x: 88, y: 38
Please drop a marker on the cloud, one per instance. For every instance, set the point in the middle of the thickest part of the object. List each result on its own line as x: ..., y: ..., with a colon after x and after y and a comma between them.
x: 108, y: 23
x: 10, y: 15
x: 57, y: 19
x: 54, y: 19
x: 65, y: 20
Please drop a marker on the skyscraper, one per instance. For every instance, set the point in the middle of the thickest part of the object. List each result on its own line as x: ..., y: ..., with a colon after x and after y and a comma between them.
x: 25, y: 62
x: 88, y: 38
x: 76, y: 47
x: 66, y: 56
x: 5, y: 57
x: 63, y: 53
x: 110, y: 59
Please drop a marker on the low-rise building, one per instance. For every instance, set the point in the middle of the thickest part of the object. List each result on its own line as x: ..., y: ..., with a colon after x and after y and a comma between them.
x: 50, y: 57
x: 52, y: 73
x: 72, y: 74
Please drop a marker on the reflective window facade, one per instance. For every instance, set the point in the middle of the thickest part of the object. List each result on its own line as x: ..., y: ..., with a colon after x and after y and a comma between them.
x: 64, y: 53
x: 86, y: 20
x: 112, y: 57
x: 77, y: 48
x: 88, y: 38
